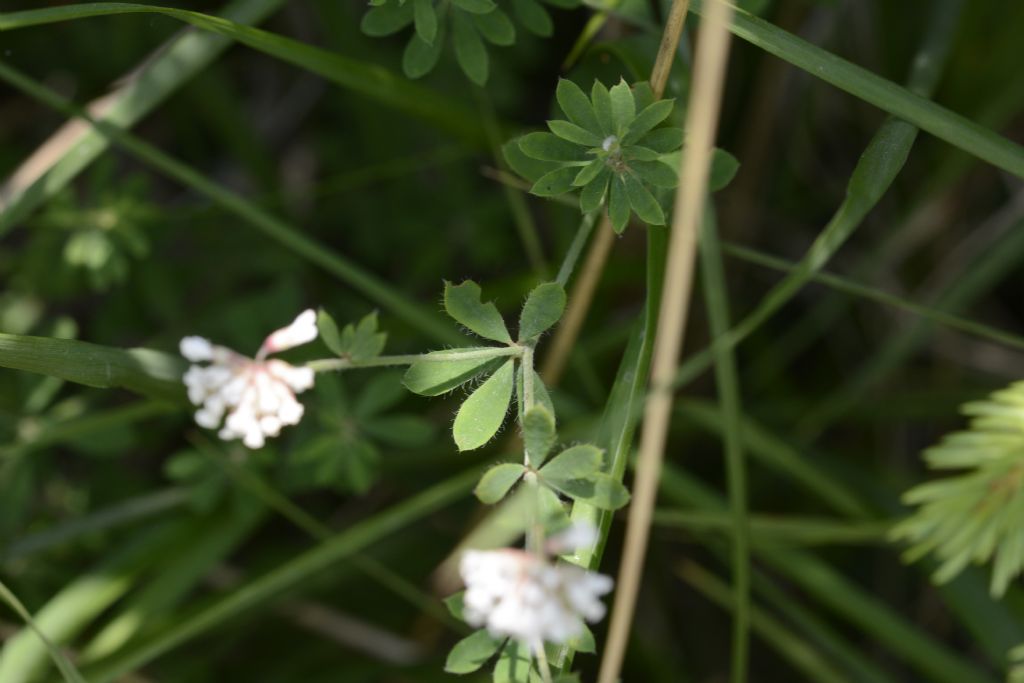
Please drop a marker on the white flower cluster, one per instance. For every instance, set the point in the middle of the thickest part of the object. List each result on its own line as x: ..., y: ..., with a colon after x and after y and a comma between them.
x: 529, y: 597
x: 257, y: 394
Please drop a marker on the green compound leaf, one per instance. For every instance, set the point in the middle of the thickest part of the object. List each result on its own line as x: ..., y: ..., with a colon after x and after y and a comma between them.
x: 482, y: 414
x: 420, y: 57
x: 543, y: 308
x: 472, y: 652
x: 662, y: 140
x: 550, y: 147
x: 593, y: 193
x: 655, y: 173
x: 575, y: 105
x: 425, y: 17
x: 538, y: 434
x: 533, y: 16
x: 555, y: 183
x: 618, y: 205
x: 475, y: 6
x: 497, y: 481
x: 462, y: 302
x: 386, y: 19
x: 470, y: 52
x: 623, y: 107
x: 362, y: 342
x: 589, y: 172
x: 496, y: 27
x: 599, y: 490
x: 643, y: 202
x: 515, y: 665
x: 573, y: 133
x: 527, y: 167
x: 602, y: 102
x: 578, y: 462
x: 647, y: 120
x: 436, y: 377
x: 329, y: 331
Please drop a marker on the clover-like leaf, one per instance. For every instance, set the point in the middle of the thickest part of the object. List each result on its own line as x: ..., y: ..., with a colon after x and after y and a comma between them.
x: 600, y: 490
x: 497, y: 482
x: 463, y: 304
x: 482, y: 414
x: 441, y: 371
x: 472, y: 652
x: 576, y: 462
x: 538, y: 434
x: 543, y: 308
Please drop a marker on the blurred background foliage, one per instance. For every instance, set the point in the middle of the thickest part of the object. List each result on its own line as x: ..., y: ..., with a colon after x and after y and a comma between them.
x: 120, y: 521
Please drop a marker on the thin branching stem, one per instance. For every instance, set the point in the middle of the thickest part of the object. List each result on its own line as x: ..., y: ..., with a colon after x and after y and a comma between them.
x: 332, y: 364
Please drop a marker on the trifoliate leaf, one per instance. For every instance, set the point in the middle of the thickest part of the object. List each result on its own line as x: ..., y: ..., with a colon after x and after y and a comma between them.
x: 643, y: 202
x: 662, y: 140
x: 472, y: 652
x: 543, y: 308
x: 462, y: 302
x: 386, y: 19
x: 434, y: 377
x: 593, y: 193
x: 329, y: 332
x: 573, y: 133
x: 529, y: 168
x: 533, y: 16
x: 589, y: 172
x: 576, y: 107
x: 618, y: 205
x: 577, y: 462
x: 555, y: 183
x: 420, y: 57
x: 470, y: 52
x: 497, y: 482
x: 655, y: 173
x: 425, y: 17
x: 550, y: 147
x: 363, y: 342
x: 723, y: 169
x: 647, y: 120
x: 599, y: 490
x: 538, y: 434
x: 602, y: 102
x: 496, y: 27
x: 623, y: 107
x: 475, y: 6
x: 482, y: 414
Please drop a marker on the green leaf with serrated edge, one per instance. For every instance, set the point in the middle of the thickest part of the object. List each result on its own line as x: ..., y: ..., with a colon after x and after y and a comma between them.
x: 470, y: 52
x: 386, y: 20
x: 462, y: 302
x: 589, y: 172
x: 646, y: 120
x: 555, y: 183
x: 599, y: 490
x: 515, y: 665
x: 573, y: 133
x: 472, y: 652
x: 723, y: 170
x: 543, y: 308
x: 662, y: 140
x: 482, y: 414
x: 550, y: 147
x: 533, y: 16
x: 576, y: 106
x: 618, y: 205
x: 425, y: 18
x: 531, y: 169
x: 420, y: 57
x: 601, y: 100
x: 475, y: 6
x: 643, y: 202
x: 576, y: 462
x: 329, y: 332
x: 455, y: 605
x: 593, y: 193
x: 655, y: 173
x: 497, y: 482
x: 623, y: 107
x: 538, y: 434
x: 433, y: 377
x: 496, y: 27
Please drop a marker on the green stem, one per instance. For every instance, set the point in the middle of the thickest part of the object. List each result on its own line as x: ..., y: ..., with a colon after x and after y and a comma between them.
x: 331, y: 364
x: 576, y: 247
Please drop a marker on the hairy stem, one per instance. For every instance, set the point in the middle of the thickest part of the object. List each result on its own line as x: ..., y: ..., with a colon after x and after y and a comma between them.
x: 331, y: 364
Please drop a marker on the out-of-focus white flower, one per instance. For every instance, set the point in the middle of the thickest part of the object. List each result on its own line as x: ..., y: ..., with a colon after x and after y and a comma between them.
x: 258, y: 395
x: 528, y: 597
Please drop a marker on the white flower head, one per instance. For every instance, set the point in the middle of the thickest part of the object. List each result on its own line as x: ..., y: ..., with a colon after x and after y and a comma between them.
x: 258, y: 395
x: 522, y: 595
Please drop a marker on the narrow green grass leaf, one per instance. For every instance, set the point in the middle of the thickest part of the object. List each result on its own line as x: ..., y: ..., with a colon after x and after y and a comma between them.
x: 483, y: 413
x: 64, y: 665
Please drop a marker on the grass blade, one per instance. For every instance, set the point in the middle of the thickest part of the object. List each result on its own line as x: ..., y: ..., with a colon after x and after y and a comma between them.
x: 67, y: 669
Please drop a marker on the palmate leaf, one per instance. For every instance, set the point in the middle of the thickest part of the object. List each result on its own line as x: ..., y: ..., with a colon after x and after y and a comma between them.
x: 976, y: 516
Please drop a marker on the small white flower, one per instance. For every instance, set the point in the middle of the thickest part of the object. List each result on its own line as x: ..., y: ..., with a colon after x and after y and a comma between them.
x: 258, y: 395
x: 522, y: 595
